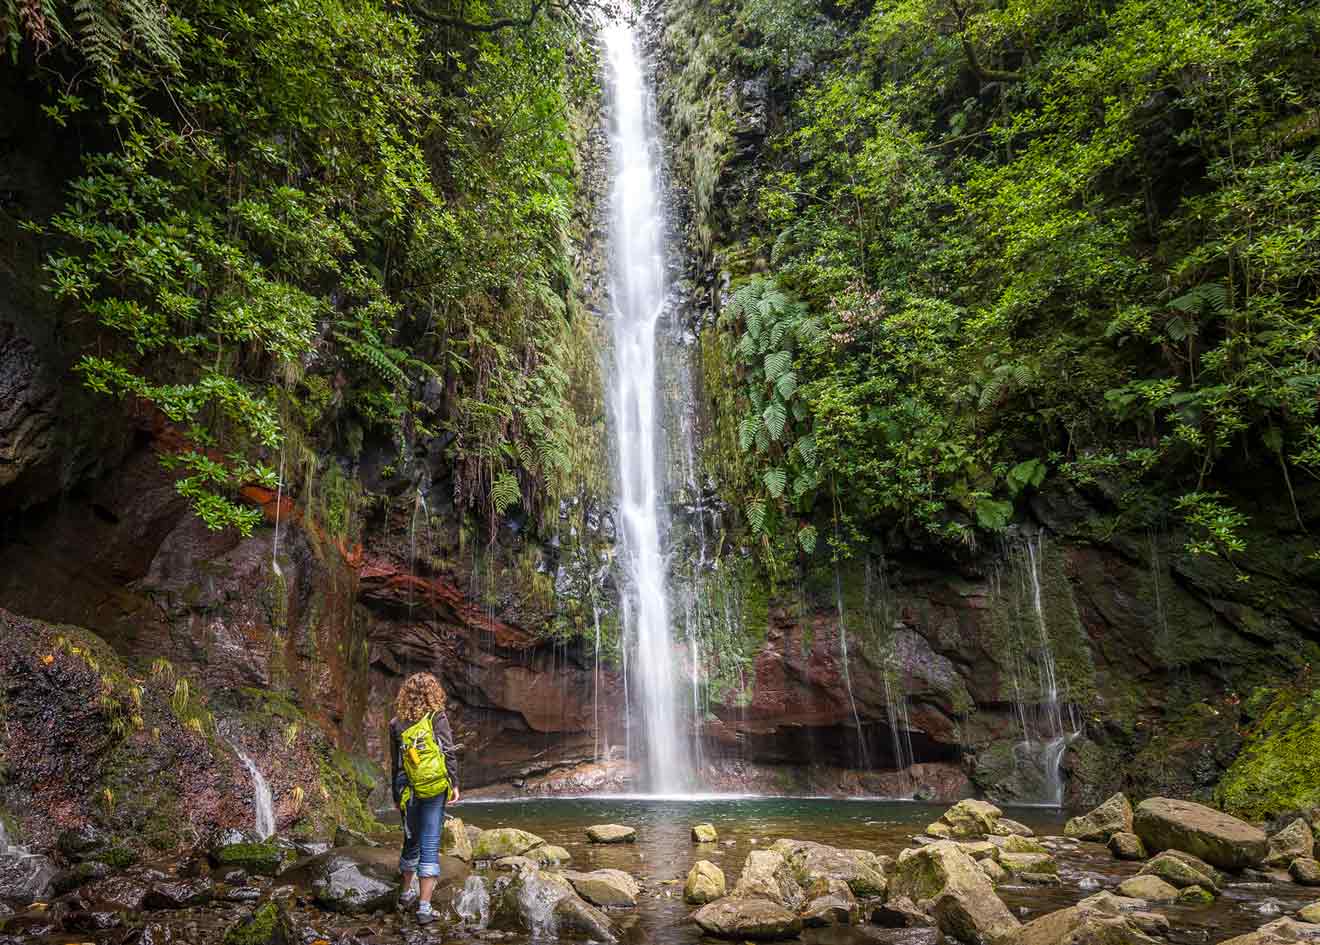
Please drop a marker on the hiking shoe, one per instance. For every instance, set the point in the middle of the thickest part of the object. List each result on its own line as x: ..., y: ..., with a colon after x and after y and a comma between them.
x: 425, y: 914
x: 407, y: 900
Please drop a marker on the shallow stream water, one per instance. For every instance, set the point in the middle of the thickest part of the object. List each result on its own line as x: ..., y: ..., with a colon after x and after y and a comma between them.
x: 663, y: 854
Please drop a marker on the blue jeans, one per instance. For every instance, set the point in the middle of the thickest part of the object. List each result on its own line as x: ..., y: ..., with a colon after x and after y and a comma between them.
x: 421, y: 836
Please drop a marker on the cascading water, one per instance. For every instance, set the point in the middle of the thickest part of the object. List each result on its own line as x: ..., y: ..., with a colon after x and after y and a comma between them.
x: 638, y: 300
x: 262, y: 801
x: 472, y: 903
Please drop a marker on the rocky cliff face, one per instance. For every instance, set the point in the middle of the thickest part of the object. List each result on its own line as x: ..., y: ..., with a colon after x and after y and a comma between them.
x: 909, y: 671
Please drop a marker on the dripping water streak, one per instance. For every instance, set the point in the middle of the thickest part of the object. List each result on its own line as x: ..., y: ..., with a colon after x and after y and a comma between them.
x: 638, y: 300
x: 262, y: 801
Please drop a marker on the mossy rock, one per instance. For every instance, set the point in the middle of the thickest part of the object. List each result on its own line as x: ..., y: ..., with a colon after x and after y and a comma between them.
x: 1278, y: 768
x: 263, y: 859
x: 267, y: 925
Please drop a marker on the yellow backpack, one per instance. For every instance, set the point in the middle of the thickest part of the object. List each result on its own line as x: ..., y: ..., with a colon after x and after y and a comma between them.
x: 423, y: 761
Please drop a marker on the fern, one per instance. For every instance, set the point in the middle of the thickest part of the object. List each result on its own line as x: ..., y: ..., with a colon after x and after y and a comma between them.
x: 1207, y: 298
x: 776, y: 364
x: 775, y: 417
x: 505, y: 492
x: 807, y: 538
x: 775, y: 479
x: 786, y: 386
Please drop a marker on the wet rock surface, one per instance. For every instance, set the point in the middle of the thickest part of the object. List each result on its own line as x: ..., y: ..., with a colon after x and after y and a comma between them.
x: 1221, y: 840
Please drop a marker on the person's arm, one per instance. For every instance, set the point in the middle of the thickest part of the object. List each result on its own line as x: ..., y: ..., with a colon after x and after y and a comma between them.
x: 444, y: 737
x: 398, y: 779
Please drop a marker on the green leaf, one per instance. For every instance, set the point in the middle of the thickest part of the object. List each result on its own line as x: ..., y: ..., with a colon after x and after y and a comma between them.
x: 775, y: 417
x: 776, y: 364
x: 786, y: 386
x: 993, y: 514
x: 775, y: 479
x: 807, y: 538
x: 756, y: 515
x: 1030, y: 473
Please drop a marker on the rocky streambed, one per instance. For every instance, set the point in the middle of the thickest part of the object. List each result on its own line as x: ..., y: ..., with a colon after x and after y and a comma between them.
x: 836, y: 872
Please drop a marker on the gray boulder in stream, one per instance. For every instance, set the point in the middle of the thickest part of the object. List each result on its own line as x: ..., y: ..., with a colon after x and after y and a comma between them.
x: 767, y: 875
x: 350, y: 880
x: 1164, y: 823
x: 1098, y: 920
x: 810, y: 862
x: 1111, y: 817
x: 748, y: 920
x: 946, y: 884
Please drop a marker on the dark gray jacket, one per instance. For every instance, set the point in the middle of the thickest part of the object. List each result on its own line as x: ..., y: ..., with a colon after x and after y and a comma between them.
x: 444, y: 737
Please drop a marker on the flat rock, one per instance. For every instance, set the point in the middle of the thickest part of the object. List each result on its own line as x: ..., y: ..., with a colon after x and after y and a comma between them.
x: 549, y: 856
x: 1310, y: 913
x: 1279, y: 932
x: 1111, y: 817
x: 504, y: 841
x: 341, y: 881
x: 829, y: 902
x: 1127, y: 846
x: 1021, y: 863
x: 605, y: 887
x: 1195, y: 896
x: 750, y: 919
x: 1149, y: 888
x: 179, y: 895
x: 704, y: 833
x: 1221, y: 840
x: 1005, y: 827
x: 705, y: 883
x: 122, y: 893
x: 971, y: 819
x: 611, y: 833
x: 1090, y: 922
x: 268, y: 924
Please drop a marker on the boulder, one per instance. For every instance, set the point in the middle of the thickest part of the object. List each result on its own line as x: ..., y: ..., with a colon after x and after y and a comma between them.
x: 767, y: 875
x: 747, y: 919
x: 946, y: 883
x: 1293, y: 841
x: 1020, y: 864
x: 1019, y: 844
x: 705, y: 883
x: 970, y: 819
x: 1221, y: 840
x: 348, y: 837
x: 979, y: 849
x: 1182, y: 870
x: 1111, y: 817
x: 1278, y: 932
x: 179, y: 895
x: 574, y: 918
x: 605, y: 887
x: 268, y: 924
x: 88, y: 871
x: 1195, y: 896
x: 82, y: 843
x: 344, y: 882
x: 1093, y: 921
x: 263, y: 858
x: 25, y: 877
x: 862, y: 870
x: 993, y: 871
x: 121, y: 893
x: 829, y: 902
x: 611, y: 833
x: 1310, y: 913
x: 516, y: 863
x: 504, y: 841
x: 1127, y: 846
x: 525, y: 900
x: 454, y: 841
x: 549, y: 856
x: 704, y: 833
x: 900, y: 912
x: 1305, y: 871
x: 1149, y: 888
x: 1012, y: 828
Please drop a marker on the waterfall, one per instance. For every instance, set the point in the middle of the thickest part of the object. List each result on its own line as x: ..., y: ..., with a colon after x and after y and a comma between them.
x: 472, y: 903
x: 1048, y: 720
x: 847, y: 672
x: 637, y: 291
x: 262, y: 801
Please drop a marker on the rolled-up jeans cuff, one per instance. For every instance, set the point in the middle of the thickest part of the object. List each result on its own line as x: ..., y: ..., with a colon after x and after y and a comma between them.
x: 428, y: 869
x: 408, y: 866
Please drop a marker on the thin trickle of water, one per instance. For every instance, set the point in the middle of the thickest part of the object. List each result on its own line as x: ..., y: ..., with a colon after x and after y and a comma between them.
x: 472, y: 903
x: 638, y: 300
x: 847, y: 671
x: 595, y: 681
x: 262, y: 801
x: 275, y: 540
x: 1049, y: 721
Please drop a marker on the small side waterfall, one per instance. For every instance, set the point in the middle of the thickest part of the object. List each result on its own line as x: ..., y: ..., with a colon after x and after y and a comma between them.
x: 1047, y: 718
x: 472, y: 903
x: 638, y: 296
x: 262, y: 801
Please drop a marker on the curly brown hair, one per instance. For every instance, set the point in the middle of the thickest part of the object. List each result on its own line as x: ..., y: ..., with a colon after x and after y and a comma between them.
x: 420, y: 693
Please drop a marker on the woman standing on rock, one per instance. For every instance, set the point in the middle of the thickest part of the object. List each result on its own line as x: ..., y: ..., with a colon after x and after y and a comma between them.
x: 424, y: 774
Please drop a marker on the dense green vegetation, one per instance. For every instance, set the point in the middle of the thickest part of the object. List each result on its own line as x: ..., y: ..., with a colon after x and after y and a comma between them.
x: 301, y: 225
x: 1034, y: 239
